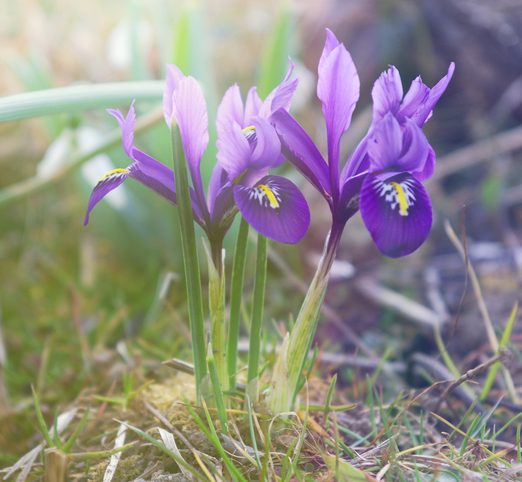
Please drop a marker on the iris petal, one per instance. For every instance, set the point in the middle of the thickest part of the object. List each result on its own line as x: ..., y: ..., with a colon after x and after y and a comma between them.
x: 338, y: 90
x: 396, y: 212
x: 301, y: 151
x: 274, y: 207
x: 104, y: 186
x: 387, y: 93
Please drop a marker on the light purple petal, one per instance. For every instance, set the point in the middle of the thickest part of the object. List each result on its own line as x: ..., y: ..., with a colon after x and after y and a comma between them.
x: 190, y: 113
x: 300, y: 150
x: 275, y: 208
x: 424, y: 112
x: 281, y: 96
x: 330, y: 43
x: 415, y: 149
x: 174, y: 75
x: 266, y: 147
x: 385, y: 144
x: 153, y: 174
x: 104, y: 186
x: 230, y: 110
x: 396, y: 212
x: 387, y: 93
x: 127, y: 127
x: 252, y: 106
x: 429, y: 166
x: 233, y: 151
x: 416, y: 96
x: 338, y: 90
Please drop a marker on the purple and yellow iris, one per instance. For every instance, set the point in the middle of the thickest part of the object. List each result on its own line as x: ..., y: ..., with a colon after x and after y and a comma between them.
x: 248, y: 147
x: 383, y: 177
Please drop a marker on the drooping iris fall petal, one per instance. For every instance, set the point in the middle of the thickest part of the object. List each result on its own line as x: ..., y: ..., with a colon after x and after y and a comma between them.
x: 104, y: 186
x: 274, y: 207
x: 396, y: 212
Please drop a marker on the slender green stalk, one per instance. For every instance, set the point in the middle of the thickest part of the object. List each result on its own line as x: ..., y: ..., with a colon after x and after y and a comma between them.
x: 257, y: 319
x: 216, y: 300
x: 76, y: 98
x: 190, y: 261
x: 294, y: 350
x: 236, y: 293
x: 217, y: 389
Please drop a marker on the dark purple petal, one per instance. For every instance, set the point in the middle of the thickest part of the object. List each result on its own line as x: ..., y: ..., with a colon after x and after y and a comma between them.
x: 300, y: 150
x: 396, y: 212
x: 234, y: 151
x: 387, y: 93
x: 104, y: 186
x: 281, y: 96
x: 275, y: 208
x: 174, y: 75
x: 338, y: 90
x: 230, y: 110
x: 127, y: 127
x: 190, y: 113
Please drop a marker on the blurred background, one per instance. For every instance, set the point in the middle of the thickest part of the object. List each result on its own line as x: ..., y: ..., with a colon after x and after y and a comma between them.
x: 78, y: 305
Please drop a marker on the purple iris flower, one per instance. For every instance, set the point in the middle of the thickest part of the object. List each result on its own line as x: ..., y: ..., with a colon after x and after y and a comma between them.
x: 383, y: 178
x: 248, y: 147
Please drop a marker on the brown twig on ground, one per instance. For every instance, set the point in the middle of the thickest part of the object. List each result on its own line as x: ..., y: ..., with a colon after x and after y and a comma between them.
x: 412, y: 310
x: 482, y: 151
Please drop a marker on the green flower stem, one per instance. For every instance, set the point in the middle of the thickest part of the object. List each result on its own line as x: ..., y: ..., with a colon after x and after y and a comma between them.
x: 190, y: 261
x: 236, y: 293
x: 257, y: 319
x: 216, y: 281
x: 76, y: 98
x: 292, y: 356
x: 31, y: 185
x: 217, y: 390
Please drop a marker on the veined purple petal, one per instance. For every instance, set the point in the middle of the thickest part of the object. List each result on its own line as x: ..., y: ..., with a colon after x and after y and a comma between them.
x: 230, y: 110
x: 104, y: 186
x: 387, y: 93
x: 234, y: 151
x: 174, y: 75
x: 267, y: 148
x: 338, y: 90
x: 281, y: 96
x: 275, y: 208
x: 190, y: 113
x: 396, y: 212
x: 300, y: 150
x: 127, y: 127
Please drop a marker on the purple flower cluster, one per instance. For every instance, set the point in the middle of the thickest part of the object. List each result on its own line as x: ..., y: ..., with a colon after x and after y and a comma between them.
x: 383, y: 177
